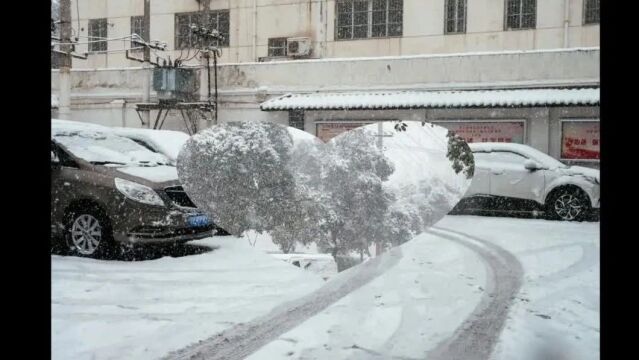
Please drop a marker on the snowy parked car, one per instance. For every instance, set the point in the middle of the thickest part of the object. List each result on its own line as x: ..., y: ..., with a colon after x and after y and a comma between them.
x: 107, y: 190
x: 166, y: 142
x: 515, y: 177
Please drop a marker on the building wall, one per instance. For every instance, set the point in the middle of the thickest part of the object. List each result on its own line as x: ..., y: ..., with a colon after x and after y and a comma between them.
x: 108, y: 96
x: 542, y: 124
x: 423, y: 28
x: 453, y: 71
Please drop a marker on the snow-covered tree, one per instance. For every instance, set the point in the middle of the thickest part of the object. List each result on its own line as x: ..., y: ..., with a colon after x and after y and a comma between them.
x: 460, y: 155
x: 353, y: 172
x: 238, y: 172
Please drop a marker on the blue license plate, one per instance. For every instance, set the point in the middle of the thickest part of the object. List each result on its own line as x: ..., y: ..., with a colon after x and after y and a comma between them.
x: 198, y: 221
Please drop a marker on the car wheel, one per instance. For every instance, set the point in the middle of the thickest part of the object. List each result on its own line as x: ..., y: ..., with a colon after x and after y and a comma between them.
x: 88, y: 233
x: 568, y: 204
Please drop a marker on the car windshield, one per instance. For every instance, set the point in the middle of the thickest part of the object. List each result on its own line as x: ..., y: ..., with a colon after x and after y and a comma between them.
x: 103, y: 148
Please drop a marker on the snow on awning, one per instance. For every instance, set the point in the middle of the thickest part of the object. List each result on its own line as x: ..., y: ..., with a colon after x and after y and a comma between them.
x: 432, y: 99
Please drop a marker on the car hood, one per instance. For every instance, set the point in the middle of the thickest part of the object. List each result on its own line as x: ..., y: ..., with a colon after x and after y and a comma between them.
x: 582, y: 171
x: 154, y: 174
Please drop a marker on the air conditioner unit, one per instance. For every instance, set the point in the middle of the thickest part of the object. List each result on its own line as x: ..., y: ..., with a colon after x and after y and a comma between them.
x: 299, y: 46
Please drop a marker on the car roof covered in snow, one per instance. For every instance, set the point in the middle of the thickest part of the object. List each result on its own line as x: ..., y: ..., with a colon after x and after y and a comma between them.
x: 58, y: 125
x: 526, y: 150
x: 497, y: 146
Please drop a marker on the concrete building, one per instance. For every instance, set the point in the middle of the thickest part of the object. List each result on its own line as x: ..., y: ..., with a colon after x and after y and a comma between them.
x: 412, y: 48
x: 368, y: 28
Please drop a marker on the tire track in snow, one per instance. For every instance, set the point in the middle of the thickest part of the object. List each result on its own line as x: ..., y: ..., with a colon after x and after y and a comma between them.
x: 243, y: 339
x: 478, y: 334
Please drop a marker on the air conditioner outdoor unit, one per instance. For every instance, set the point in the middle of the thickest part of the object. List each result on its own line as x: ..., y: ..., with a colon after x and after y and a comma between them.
x: 299, y: 46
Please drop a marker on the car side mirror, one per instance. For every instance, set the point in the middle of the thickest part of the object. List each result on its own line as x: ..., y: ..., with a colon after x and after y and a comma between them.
x: 55, y: 160
x: 531, y: 165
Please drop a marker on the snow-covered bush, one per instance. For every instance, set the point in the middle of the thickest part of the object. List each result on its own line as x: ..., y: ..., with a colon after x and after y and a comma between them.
x: 238, y: 172
x: 341, y: 195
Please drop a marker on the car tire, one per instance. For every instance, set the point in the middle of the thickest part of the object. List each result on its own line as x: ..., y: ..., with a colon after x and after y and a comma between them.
x: 88, y: 233
x: 568, y: 203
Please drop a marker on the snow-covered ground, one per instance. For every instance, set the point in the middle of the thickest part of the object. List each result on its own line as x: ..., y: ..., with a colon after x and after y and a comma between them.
x: 517, y: 288
x: 416, y: 308
x: 143, y: 310
x: 556, y: 314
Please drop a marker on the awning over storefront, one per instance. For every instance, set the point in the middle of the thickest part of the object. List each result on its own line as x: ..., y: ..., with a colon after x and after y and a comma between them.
x: 380, y: 100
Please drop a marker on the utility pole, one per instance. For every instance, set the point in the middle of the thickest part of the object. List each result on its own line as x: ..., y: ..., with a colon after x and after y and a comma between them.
x: 205, y: 62
x: 205, y: 38
x: 146, y: 66
x: 379, y: 249
x: 64, y: 111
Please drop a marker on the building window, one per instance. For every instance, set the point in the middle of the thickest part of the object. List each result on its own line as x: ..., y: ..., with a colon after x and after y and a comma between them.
x: 455, y: 16
x: 276, y: 47
x: 521, y: 14
x: 296, y: 119
x: 137, y: 27
x: 580, y: 139
x: 360, y: 19
x: 97, y: 31
x: 591, y: 12
x: 185, y: 39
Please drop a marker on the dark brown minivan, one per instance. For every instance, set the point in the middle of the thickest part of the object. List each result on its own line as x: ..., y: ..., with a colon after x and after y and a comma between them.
x: 108, y: 191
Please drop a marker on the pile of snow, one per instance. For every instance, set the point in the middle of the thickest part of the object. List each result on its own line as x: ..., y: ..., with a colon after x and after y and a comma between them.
x: 143, y: 310
x: 430, y: 99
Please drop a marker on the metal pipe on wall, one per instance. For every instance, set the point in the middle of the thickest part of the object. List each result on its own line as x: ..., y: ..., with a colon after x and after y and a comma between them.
x: 255, y: 30
x: 566, y: 21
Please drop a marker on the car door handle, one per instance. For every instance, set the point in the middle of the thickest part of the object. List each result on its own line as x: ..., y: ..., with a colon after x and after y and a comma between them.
x: 497, y: 172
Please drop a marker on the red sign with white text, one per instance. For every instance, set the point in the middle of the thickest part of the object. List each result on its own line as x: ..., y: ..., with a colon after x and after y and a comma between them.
x: 494, y: 131
x: 327, y: 131
x: 580, y: 140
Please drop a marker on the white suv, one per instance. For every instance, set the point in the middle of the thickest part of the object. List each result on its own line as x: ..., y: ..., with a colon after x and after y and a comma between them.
x: 517, y: 177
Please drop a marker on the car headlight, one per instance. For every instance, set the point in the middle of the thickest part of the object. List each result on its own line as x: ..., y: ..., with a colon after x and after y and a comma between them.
x: 138, y: 192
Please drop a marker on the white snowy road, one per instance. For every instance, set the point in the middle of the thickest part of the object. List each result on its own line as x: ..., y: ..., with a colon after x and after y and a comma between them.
x: 471, y: 288
x: 476, y: 337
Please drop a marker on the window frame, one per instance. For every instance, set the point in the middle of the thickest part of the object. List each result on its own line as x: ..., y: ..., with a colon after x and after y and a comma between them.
x: 269, y: 47
x: 585, y: 13
x: 141, y: 33
x: 102, y: 46
x: 369, y: 21
x: 465, y: 22
x: 297, y: 116
x: 533, y: 27
x: 198, y: 14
